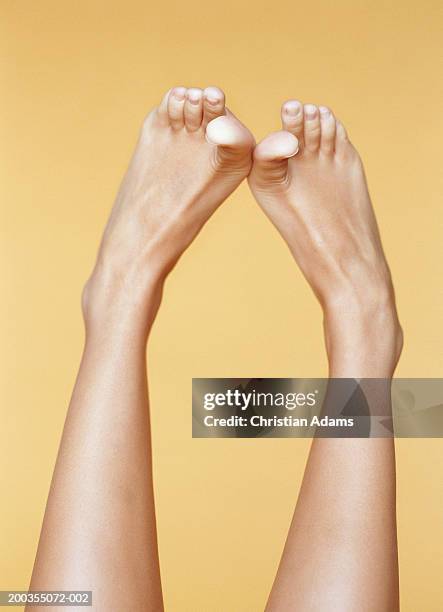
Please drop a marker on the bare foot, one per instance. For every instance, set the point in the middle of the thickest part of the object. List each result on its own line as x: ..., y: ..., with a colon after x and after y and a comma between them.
x: 310, y: 181
x: 192, y: 153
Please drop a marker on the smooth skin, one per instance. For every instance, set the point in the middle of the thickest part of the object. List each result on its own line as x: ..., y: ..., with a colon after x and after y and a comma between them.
x: 341, y: 549
x: 99, y: 530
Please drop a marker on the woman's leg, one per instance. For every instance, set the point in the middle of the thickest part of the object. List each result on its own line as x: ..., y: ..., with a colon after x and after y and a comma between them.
x: 99, y: 530
x: 341, y: 550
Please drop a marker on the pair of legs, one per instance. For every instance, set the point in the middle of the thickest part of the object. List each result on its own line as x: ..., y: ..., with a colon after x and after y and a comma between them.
x: 99, y: 530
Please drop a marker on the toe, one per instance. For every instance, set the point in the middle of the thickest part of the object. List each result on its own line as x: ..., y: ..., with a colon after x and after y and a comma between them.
x: 271, y: 159
x: 193, y: 109
x: 233, y: 140
x: 341, y: 134
x: 176, y: 103
x: 292, y: 118
x: 311, y: 131
x: 213, y: 104
x: 162, y: 110
x: 275, y: 147
x: 342, y: 145
x: 327, y: 123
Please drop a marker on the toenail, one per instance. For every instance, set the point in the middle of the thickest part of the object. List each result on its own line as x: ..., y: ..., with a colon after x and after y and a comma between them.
x: 179, y: 94
x: 212, y: 101
x: 292, y: 108
x: 310, y: 111
x: 324, y: 110
x: 213, y: 95
x: 194, y: 97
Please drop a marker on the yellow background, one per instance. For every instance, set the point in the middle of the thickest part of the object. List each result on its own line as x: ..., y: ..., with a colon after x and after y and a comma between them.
x: 77, y: 79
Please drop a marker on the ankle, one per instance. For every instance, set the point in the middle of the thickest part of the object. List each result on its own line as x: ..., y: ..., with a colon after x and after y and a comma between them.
x: 114, y: 299
x: 363, y: 338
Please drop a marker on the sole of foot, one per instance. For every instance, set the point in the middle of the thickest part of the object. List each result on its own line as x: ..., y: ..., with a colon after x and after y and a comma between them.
x: 191, y: 154
x: 310, y: 181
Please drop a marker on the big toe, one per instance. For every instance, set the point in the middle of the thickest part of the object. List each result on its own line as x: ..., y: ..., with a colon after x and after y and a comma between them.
x: 271, y: 159
x: 233, y: 140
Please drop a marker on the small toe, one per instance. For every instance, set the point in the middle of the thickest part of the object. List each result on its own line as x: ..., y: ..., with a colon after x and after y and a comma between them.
x: 342, y: 145
x: 292, y: 118
x: 213, y: 104
x: 176, y: 103
x: 327, y: 123
x: 342, y: 135
x: 162, y: 109
x: 312, y: 130
x: 193, y: 109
